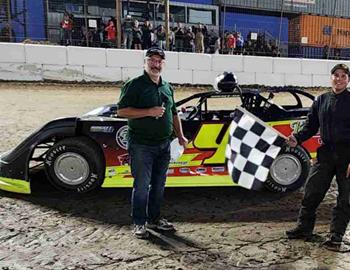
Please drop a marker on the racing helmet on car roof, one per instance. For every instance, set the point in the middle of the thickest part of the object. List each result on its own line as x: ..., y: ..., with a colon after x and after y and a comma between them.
x: 225, y: 82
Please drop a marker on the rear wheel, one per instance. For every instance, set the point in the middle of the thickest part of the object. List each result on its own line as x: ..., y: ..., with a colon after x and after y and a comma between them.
x: 289, y: 170
x: 75, y: 164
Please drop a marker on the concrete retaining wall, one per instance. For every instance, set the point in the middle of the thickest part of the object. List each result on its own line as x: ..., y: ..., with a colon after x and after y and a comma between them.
x: 28, y: 62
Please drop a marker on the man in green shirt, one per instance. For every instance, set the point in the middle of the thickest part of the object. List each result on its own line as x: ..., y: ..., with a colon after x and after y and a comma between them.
x: 148, y: 103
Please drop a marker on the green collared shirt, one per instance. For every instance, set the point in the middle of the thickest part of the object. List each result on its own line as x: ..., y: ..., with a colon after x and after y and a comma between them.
x: 141, y: 92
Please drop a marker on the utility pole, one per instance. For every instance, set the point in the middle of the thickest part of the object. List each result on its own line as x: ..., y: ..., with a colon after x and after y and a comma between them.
x: 167, y: 29
x: 9, y: 19
x: 86, y: 23
x: 118, y: 22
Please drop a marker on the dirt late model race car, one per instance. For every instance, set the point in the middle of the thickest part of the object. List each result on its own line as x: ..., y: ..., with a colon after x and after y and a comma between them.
x: 80, y: 154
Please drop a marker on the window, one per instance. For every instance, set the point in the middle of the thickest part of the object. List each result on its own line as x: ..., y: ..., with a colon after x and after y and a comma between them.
x: 73, y: 6
x: 138, y: 11
x: 177, y: 13
x: 204, y: 16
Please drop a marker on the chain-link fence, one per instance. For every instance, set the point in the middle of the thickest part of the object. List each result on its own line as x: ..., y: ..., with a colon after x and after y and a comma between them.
x: 289, y: 28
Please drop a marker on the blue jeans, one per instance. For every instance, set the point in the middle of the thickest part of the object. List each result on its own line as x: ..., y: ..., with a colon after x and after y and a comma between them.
x: 149, y: 165
x: 127, y: 39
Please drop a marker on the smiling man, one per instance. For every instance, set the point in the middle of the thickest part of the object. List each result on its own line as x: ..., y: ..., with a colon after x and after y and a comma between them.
x: 330, y: 114
x: 148, y: 103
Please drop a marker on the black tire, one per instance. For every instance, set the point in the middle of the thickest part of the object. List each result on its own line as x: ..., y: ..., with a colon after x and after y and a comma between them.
x: 289, y: 170
x: 75, y: 165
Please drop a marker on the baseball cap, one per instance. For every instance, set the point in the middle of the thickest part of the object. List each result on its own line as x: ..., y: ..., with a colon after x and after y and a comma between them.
x: 344, y: 67
x: 155, y: 51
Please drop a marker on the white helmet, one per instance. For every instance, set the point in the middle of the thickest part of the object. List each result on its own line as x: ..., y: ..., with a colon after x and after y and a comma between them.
x: 225, y: 82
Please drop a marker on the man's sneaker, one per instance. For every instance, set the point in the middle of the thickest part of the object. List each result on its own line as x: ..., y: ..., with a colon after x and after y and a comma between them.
x: 140, y: 231
x: 334, y: 241
x: 162, y: 225
x: 298, y: 233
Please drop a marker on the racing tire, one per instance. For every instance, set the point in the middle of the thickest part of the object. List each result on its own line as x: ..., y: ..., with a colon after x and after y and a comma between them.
x: 289, y: 170
x: 75, y: 165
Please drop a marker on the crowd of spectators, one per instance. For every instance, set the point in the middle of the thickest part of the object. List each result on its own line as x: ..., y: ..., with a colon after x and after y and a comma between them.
x: 141, y: 36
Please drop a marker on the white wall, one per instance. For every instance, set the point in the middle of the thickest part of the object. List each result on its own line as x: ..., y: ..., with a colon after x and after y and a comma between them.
x: 28, y: 62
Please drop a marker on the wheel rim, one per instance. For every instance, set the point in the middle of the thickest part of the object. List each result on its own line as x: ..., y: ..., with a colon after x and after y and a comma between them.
x: 71, y: 168
x: 286, y: 169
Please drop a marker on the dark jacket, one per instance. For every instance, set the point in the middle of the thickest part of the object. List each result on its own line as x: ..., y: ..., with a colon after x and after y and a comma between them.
x: 330, y: 113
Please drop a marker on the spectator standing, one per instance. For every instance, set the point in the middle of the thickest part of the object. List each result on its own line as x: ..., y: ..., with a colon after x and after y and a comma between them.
x: 171, y: 39
x: 111, y: 34
x: 217, y: 45
x: 179, y: 37
x: 161, y: 36
x: 189, y: 40
x: 239, y: 43
x: 231, y: 43
x: 101, y: 32
x: 95, y: 38
x: 206, y: 39
x: 199, y: 40
x: 5, y: 34
x: 66, y: 29
x: 148, y: 103
x: 127, y: 32
x: 275, y: 50
x: 137, y: 36
x: 146, y: 35
x: 325, y: 53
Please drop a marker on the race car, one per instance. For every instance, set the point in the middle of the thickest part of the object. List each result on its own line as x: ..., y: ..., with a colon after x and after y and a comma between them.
x: 81, y: 154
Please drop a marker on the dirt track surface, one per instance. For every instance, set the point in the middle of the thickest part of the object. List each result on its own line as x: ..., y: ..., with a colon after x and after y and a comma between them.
x: 217, y: 228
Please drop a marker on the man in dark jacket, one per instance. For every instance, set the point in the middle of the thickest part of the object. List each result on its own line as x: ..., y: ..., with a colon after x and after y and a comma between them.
x: 330, y: 114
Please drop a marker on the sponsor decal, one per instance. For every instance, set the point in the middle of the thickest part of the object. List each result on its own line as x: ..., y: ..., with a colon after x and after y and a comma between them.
x: 52, y: 155
x: 184, y: 170
x: 123, y: 159
x: 296, y: 126
x: 217, y: 169
x: 122, y: 137
x: 201, y: 170
x: 88, y: 185
x: 183, y: 163
x: 102, y: 129
x: 111, y: 172
x: 327, y: 30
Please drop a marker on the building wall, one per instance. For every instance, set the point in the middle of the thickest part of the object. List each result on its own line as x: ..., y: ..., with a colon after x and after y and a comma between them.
x: 27, y: 19
x: 246, y: 23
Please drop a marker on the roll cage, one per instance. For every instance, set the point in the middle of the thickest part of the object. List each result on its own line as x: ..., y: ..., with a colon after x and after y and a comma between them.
x: 251, y: 100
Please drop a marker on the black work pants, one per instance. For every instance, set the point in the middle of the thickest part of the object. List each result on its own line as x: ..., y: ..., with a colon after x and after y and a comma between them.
x: 331, y: 161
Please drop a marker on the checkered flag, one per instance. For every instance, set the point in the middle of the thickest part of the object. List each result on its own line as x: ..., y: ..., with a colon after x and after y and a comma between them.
x: 252, y: 147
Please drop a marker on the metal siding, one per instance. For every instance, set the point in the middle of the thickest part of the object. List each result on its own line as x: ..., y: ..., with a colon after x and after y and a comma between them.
x: 270, y: 5
x: 35, y: 17
x: 343, y: 8
x: 321, y: 31
x: 316, y: 52
x: 317, y: 7
x: 245, y: 23
x: 18, y: 20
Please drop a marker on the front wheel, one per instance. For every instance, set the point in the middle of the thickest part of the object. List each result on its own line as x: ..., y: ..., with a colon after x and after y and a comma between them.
x: 289, y: 170
x: 75, y: 164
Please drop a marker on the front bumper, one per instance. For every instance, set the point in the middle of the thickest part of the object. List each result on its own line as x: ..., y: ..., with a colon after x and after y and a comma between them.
x: 7, y: 182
